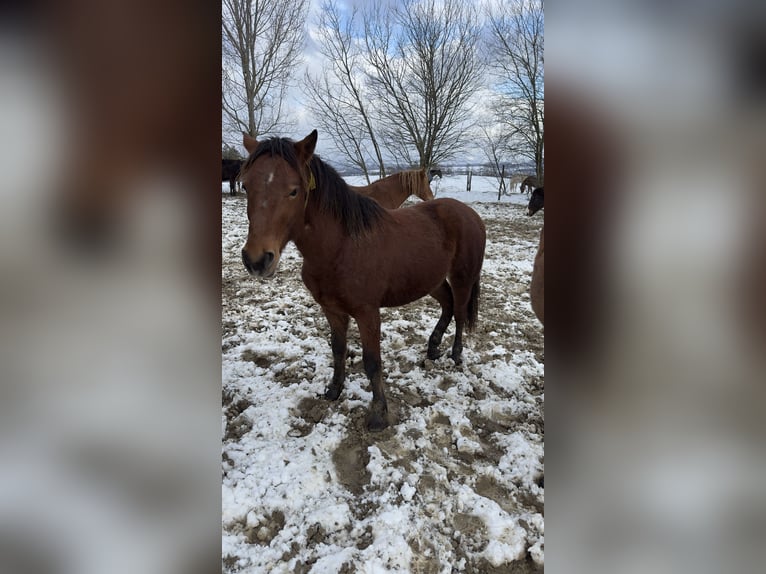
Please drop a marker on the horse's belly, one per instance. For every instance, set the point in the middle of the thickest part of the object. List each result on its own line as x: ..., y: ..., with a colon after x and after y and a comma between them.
x: 414, y: 285
x: 399, y: 299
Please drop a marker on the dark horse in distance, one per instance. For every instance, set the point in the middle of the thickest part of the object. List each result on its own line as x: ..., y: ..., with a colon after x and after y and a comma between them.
x: 359, y: 256
x: 535, y: 201
x: 230, y: 172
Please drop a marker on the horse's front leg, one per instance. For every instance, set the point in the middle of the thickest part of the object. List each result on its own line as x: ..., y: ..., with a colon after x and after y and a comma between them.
x: 338, y: 329
x: 369, y: 332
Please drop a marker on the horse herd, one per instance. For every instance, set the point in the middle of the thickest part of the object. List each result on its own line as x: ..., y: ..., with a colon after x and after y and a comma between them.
x: 361, y: 253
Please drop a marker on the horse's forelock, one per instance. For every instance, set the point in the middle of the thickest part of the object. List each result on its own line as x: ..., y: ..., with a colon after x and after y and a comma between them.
x: 281, y: 147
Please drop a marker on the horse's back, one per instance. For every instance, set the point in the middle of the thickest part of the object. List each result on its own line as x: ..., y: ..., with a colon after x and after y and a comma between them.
x: 461, y: 226
x: 454, y: 214
x: 531, y: 181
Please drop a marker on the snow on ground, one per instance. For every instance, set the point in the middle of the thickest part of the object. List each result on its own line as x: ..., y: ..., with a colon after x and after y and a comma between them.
x: 454, y: 485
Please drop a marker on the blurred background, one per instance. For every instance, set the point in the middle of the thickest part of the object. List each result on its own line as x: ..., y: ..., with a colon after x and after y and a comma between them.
x: 655, y: 368
x: 109, y: 250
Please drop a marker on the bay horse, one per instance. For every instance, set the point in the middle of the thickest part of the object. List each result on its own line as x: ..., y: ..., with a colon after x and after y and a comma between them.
x: 537, y: 286
x: 393, y: 190
x: 528, y: 184
x: 359, y: 256
x: 535, y: 201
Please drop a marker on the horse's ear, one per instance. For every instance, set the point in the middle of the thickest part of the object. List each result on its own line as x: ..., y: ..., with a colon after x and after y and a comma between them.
x: 250, y: 142
x: 305, y: 147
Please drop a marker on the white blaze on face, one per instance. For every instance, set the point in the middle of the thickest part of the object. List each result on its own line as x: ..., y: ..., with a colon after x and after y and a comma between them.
x: 269, y: 179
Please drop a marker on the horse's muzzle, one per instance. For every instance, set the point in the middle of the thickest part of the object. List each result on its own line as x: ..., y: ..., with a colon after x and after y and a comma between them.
x: 263, y: 267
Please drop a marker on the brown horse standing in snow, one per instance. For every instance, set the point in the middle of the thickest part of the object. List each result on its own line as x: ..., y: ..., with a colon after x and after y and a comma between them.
x: 358, y: 256
x: 530, y: 182
x: 391, y: 191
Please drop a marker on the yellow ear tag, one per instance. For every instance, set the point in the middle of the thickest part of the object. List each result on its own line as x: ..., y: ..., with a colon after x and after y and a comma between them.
x: 312, y: 185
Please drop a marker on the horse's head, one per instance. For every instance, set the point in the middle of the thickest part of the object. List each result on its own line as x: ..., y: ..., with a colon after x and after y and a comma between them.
x: 535, y: 201
x: 277, y: 181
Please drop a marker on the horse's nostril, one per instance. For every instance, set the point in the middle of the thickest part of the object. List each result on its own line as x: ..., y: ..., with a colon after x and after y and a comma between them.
x: 246, y: 260
x: 260, y: 265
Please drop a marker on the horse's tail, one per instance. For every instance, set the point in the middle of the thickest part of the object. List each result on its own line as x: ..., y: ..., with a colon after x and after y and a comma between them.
x: 473, y: 307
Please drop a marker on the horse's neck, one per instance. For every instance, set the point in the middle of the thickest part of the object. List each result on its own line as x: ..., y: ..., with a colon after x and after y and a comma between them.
x: 390, y: 194
x: 399, y: 189
x: 320, y: 236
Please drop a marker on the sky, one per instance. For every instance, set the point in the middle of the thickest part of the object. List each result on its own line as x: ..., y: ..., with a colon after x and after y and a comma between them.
x: 302, y: 122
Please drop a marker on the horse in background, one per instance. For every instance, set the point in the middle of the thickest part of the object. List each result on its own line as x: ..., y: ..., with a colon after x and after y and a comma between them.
x: 537, y: 286
x: 358, y: 256
x: 230, y: 171
x: 517, y: 180
x: 528, y: 184
x: 535, y: 201
x: 432, y: 173
x: 393, y: 190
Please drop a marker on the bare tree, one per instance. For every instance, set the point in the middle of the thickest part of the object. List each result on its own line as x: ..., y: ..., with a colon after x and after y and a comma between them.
x: 518, y: 64
x: 338, y: 97
x: 424, y: 67
x: 494, y: 144
x: 262, y: 43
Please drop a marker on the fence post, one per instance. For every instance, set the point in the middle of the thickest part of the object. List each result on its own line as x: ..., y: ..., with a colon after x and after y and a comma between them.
x: 502, y: 183
x: 468, y: 180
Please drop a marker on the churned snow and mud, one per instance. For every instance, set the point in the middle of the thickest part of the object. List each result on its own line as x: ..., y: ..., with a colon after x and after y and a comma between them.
x: 454, y: 485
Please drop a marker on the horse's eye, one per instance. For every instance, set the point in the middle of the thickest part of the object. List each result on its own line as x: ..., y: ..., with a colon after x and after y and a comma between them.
x: 293, y: 193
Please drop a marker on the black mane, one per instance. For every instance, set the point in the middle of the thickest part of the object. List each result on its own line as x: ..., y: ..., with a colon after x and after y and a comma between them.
x: 332, y: 195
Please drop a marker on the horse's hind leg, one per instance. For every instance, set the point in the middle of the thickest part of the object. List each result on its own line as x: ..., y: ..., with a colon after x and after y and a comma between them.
x: 443, y: 294
x: 461, y: 295
x: 338, y: 329
x: 369, y: 332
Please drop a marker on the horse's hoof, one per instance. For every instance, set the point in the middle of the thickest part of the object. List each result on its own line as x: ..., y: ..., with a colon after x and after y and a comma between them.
x: 433, y: 354
x: 376, y: 423
x: 458, y: 359
x: 332, y: 393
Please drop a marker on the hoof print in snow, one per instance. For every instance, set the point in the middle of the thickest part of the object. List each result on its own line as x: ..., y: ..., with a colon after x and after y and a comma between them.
x: 351, y: 459
x: 265, y: 531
